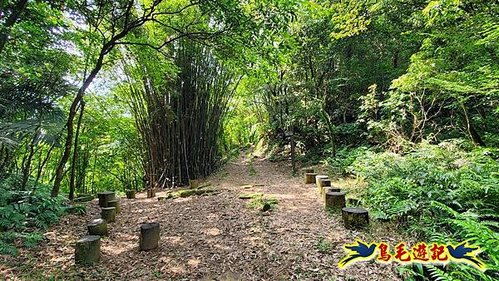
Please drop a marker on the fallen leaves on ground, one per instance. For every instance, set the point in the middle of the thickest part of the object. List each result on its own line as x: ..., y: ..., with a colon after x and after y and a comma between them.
x: 215, y: 237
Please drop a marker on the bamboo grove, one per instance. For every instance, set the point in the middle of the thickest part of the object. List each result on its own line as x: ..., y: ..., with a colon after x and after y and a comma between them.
x: 180, y: 118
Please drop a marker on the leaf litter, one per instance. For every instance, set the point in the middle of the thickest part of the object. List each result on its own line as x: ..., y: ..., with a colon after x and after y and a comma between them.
x: 214, y: 237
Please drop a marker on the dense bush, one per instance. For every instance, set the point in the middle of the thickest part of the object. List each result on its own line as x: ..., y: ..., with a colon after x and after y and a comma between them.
x: 345, y: 157
x: 438, y: 193
x: 24, y: 213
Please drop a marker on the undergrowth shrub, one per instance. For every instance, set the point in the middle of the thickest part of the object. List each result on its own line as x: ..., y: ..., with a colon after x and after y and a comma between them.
x: 23, y: 213
x: 344, y: 157
x: 438, y: 193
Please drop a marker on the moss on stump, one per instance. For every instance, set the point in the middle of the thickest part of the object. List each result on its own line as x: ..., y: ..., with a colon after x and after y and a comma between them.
x: 149, y: 236
x: 87, y: 250
x: 355, y: 217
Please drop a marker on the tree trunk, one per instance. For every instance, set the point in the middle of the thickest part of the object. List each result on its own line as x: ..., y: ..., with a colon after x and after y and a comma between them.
x: 75, y: 155
x: 475, y: 137
x: 59, y: 174
x: 27, y: 163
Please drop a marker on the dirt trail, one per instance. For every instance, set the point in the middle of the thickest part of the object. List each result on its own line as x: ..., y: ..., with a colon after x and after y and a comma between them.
x: 214, y: 237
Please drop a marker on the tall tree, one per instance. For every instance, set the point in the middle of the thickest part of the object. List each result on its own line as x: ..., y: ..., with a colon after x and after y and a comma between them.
x: 111, y: 23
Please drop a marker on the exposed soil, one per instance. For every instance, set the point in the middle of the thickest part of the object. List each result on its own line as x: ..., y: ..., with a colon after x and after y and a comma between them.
x: 215, y: 237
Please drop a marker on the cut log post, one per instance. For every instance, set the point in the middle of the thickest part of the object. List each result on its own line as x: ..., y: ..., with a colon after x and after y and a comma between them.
x: 310, y: 178
x: 193, y: 183
x: 108, y: 214
x: 151, y: 193
x: 115, y: 203
x: 149, y: 236
x: 105, y: 197
x: 355, y: 217
x: 130, y: 194
x: 318, y: 179
x: 334, y: 200
x: 323, y: 183
x: 97, y: 227
x: 87, y: 251
x: 307, y: 170
x: 327, y: 189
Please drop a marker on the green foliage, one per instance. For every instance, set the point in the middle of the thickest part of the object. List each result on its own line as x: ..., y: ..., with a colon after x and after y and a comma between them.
x: 7, y: 243
x: 262, y: 203
x: 324, y: 246
x: 32, y: 239
x: 438, y: 192
x: 76, y: 209
x: 23, y: 212
x: 344, y: 158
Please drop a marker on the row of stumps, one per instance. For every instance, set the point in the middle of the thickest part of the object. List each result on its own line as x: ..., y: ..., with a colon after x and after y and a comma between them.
x: 334, y: 200
x: 87, y: 250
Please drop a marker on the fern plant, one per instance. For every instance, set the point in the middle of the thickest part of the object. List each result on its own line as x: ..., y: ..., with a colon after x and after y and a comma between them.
x: 438, y: 193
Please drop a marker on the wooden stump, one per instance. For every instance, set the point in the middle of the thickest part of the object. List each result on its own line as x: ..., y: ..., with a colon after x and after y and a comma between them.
x: 334, y: 200
x: 149, y: 236
x: 355, y: 217
x: 307, y: 170
x: 193, y: 183
x: 97, y: 227
x: 327, y: 189
x: 151, y: 193
x: 323, y: 183
x: 310, y: 177
x: 87, y: 251
x: 130, y: 194
x: 105, y: 197
x: 108, y: 214
x: 115, y: 203
x: 318, y: 179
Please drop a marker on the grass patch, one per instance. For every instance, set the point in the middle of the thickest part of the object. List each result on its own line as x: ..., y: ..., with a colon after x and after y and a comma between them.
x: 324, y: 246
x: 251, y: 169
x: 262, y: 203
